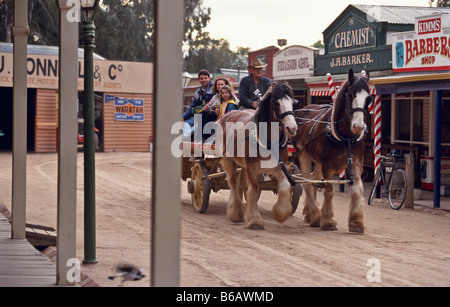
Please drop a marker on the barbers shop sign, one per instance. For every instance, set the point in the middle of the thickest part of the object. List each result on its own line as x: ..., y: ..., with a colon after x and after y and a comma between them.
x: 425, y: 49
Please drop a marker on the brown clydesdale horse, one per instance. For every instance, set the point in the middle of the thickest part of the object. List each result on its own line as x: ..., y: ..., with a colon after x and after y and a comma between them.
x: 331, y: 137
x: 256, y: 142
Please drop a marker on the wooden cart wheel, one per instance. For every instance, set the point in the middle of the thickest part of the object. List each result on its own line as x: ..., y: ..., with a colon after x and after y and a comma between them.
x: 296, y: 190
x: 201, y: 188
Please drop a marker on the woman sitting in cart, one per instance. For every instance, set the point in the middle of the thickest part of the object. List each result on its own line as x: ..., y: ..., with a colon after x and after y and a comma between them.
x: 227, y: 103
x: 214, y: 103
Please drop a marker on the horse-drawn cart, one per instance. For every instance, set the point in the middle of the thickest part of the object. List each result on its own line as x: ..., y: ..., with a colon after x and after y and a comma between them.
x: 205, y: 174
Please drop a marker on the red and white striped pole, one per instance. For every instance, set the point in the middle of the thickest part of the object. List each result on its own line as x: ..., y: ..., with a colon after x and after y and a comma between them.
x: 333, y: 93
x: 377, y: 124
x: 333, y: 90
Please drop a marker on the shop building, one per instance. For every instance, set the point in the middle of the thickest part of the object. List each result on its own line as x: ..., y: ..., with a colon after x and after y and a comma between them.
x: 419, y: 89
x: 123, y: 100
x: 361, y: 38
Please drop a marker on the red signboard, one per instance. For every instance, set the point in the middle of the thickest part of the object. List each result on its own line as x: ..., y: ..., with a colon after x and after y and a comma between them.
x: 429, y: 26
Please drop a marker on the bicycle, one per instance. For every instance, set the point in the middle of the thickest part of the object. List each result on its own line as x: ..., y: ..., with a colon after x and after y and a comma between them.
x: 396, y: 187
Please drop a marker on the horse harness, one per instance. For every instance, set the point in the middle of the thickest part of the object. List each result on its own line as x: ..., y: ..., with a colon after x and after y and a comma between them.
x: 332, y: 130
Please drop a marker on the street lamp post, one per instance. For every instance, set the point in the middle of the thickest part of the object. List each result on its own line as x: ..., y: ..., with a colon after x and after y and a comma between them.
x: 88, y: 9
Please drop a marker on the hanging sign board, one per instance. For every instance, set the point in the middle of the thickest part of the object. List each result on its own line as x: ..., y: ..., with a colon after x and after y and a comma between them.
x: 425, y: 49
x: 294, y: 62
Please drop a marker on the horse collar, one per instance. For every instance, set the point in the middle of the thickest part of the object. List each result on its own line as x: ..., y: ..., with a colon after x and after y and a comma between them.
x: 335, y: 136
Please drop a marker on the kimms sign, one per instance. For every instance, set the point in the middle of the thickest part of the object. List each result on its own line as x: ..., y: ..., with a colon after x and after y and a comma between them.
x: 427, y: 48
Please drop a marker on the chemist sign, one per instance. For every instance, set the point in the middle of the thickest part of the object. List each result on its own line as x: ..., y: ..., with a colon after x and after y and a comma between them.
x: 427, y: 48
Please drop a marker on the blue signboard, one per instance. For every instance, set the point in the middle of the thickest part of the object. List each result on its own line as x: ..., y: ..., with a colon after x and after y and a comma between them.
x: 126, y: 109
x: 399, y: 54
x: 129, y: 109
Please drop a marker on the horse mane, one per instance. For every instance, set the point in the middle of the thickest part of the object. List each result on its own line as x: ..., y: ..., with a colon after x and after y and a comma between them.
x: 276, y: 92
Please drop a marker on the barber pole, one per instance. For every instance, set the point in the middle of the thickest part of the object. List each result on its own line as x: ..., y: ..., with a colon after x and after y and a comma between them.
x: 333, y: 93
x: 377, y: 124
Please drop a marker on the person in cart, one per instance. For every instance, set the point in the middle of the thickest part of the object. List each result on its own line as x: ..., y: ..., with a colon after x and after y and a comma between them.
x: 201, y: 97
x: 253, y: 87
x: 227, y: 104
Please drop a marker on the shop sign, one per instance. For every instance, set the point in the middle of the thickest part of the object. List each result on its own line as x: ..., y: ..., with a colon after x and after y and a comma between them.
x: 354, y: 34
x: 353, y: 44
x: 372, y: 59
x: 126, y: 109
x: 294, y: 61
x: 119, y: 77
x: 425, y: 49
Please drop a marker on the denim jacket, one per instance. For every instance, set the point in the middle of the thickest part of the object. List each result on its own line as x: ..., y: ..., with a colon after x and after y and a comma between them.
x: 198, y: 99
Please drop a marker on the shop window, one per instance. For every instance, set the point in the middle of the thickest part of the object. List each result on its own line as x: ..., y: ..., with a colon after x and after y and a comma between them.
x: 417, y: 121
x: 403, y: 119
x: 410, y: 121
x: 404, y: 95
x: 385, y: 119
x: 422, y: 94
x: 321, y: 100
x: 301, y: 96
x: 446, y: 126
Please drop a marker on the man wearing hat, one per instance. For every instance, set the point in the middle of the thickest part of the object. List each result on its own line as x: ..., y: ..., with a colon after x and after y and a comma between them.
x: 253, y: 87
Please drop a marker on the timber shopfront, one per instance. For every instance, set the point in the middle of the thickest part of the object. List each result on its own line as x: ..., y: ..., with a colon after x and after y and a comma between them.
x: 123, y: 101
x: 361, y: 38
x: 420, y: 96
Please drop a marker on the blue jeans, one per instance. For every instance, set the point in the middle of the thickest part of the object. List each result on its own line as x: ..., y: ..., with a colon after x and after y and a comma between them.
x: 188, y: 129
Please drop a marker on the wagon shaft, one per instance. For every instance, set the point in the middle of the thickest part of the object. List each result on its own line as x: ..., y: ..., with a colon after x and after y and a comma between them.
x: 302, y: 180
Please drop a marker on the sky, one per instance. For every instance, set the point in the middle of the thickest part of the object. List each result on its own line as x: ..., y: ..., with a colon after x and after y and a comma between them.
x: 259, y: 23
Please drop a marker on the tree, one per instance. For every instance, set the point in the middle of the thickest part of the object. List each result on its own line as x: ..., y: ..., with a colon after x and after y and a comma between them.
x: 43, y: 22
x: 6, y: 20
x: 124, y: 27
x: 440, y: 3
x: 318, y: 44
x: 212, y: 54
x: 124, y: 31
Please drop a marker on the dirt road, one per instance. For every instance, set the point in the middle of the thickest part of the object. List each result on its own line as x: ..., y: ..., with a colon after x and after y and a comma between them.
x: 400, y: 248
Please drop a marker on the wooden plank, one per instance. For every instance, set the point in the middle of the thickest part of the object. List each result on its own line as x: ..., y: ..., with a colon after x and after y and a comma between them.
x: 21, y: 265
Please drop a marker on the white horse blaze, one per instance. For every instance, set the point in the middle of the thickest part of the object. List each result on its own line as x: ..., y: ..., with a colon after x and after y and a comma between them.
x: 357, y: 123
x: 286, y: 104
